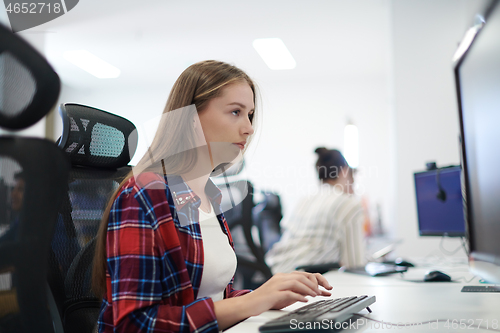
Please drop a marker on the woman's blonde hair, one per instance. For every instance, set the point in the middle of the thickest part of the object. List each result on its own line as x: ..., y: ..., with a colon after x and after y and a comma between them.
x: 192, y: 92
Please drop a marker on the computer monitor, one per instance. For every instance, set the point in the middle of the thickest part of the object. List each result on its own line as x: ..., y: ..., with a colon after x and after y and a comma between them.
x: 477, y: 74
x: 439, y: 202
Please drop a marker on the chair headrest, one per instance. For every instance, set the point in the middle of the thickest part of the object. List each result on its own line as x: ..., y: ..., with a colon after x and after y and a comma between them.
x: 29, y: 85
x: 96, y: 138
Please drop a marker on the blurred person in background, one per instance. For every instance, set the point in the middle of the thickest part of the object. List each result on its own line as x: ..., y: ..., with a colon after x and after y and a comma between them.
x: 324, y: 228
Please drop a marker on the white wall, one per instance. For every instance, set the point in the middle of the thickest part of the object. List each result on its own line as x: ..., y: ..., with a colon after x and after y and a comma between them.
x: 299, y: 113
x: 301, y: 117
x: 406, y: 113
x: 425, y: 36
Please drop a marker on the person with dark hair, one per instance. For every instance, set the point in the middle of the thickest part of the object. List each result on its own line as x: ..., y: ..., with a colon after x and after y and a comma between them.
x: 326, y: 227
x: 164, y: 260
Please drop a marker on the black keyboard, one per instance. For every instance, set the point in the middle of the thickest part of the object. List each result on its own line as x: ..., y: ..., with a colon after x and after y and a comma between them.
x: 323, y: 313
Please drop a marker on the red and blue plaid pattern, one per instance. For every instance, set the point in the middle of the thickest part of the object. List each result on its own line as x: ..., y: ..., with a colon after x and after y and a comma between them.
x: 155, y: 262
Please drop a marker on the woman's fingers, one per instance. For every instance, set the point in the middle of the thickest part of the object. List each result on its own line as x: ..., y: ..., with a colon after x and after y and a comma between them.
x: 299, y: 287
x: 320, y: 279
x: 308, y: 279
x: 315, y: 280
x: 325, y: 293
x: 285, y: 289
x: 323, y: 282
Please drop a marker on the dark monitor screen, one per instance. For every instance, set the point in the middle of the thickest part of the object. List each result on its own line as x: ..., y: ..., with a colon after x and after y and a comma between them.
x: 477, y: 74
x: 440, y: 215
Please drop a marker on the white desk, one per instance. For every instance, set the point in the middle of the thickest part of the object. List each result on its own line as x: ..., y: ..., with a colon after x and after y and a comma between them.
x: 401, y: 301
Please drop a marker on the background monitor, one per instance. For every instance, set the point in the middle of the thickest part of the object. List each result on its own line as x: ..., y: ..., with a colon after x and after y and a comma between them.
x: 477, y: 73
x: 439, y: 202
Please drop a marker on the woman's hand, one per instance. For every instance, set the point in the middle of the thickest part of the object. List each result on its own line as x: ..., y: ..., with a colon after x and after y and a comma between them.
x: 282, y: 290
x: 279, y: 291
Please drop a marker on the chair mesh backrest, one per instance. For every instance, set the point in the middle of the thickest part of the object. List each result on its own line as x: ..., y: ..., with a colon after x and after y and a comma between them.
x: 29, y: 87
x: 81, y: 318
x: 89, y: 191
x: 96, y: 138
x: 99, y: 145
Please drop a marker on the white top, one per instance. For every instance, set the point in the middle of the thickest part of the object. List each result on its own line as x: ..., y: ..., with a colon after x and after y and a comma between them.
x: 324, y: 228
x: 219, y: 263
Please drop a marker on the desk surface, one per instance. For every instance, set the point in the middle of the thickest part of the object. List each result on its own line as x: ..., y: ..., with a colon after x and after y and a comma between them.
x: 400, y: 300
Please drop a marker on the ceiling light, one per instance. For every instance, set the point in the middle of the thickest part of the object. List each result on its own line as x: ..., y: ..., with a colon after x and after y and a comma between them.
x: 274, y: 53
x: 92, y: 64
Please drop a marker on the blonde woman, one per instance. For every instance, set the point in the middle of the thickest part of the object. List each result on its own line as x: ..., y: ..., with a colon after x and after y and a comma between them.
x: 164, y: 259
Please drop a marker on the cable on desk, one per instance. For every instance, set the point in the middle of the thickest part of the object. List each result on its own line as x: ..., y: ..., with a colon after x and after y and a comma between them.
x: 465, y: 280
x: 421, y: 323
x: 450, y: 253
x: 436, y: 257
x: 464, y: 244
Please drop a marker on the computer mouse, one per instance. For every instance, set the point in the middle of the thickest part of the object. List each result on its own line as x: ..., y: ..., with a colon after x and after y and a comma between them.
x: 402, y: 262
x: 437, y: 276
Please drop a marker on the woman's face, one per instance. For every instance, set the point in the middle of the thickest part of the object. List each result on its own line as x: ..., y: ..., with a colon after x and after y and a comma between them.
x: 226, y: 123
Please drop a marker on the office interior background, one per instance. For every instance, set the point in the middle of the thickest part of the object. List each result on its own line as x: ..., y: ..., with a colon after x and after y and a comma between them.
x: 383, y: 65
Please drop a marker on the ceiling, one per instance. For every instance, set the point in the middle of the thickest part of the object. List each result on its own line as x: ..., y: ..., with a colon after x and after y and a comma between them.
x: 152, y: 41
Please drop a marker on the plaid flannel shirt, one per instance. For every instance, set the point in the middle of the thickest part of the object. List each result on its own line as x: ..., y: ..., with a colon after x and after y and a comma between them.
x: 155, y: 260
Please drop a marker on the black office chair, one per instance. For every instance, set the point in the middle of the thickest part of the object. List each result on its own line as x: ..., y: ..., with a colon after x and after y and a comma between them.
x: 33, y: 177
x: 237, y: 203
x: 100, y: 145
x: 267, y: 216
